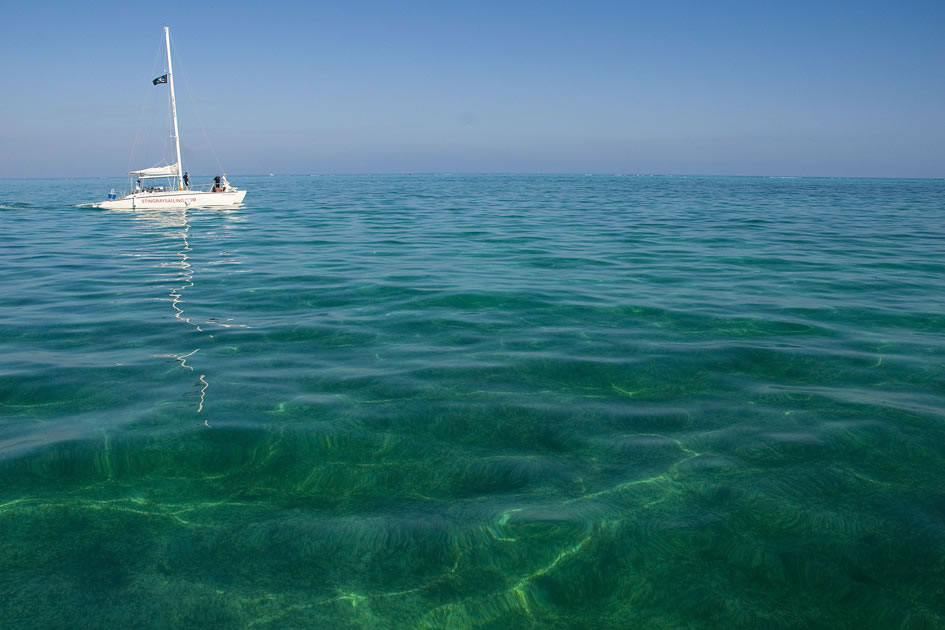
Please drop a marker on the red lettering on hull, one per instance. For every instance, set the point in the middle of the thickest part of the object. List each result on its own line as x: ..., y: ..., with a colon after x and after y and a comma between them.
x: 168, y: 200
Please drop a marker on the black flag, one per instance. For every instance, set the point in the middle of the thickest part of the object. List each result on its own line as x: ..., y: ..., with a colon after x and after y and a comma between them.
x: 162, y: 79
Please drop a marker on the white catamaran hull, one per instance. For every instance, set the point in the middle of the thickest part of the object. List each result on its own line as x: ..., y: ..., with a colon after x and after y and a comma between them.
x: 171, y: 194
x: 174, y: 199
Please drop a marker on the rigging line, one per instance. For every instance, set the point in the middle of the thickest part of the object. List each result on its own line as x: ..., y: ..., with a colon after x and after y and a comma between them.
x: 144, y: 103
x: 170, y: 131
x: 193, y: 104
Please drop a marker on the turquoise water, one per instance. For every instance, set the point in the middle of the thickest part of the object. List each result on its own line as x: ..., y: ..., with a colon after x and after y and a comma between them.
x: 475, y: 402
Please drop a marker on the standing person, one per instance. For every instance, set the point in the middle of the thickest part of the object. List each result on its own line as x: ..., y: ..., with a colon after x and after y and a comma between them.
x: 216, y: 184
x: 138, y: 185
x: 186, y: 180
x: 226, y: 184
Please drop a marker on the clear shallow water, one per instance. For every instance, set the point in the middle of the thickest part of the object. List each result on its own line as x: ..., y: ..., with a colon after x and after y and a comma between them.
x: 475, y: 401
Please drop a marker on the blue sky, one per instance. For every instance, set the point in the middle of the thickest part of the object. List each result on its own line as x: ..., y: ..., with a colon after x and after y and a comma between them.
x: 739, y: 88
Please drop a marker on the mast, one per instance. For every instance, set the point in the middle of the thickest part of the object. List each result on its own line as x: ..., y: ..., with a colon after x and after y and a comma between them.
x: 170, y: 81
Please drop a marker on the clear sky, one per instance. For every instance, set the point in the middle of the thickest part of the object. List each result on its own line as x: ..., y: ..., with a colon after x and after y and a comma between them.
x: 742, y: 88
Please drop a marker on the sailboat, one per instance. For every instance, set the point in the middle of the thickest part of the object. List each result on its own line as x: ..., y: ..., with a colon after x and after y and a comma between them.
x: 166, y: 186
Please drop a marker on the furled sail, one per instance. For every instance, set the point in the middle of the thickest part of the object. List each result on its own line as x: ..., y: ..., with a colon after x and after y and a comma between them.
x: 170, y: 170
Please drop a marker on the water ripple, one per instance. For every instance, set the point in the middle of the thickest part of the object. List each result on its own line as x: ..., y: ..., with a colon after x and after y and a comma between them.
x: 476, y: 401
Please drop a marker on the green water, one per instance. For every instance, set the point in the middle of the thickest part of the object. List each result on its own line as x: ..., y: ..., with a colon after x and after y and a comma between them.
x: 475, y: 402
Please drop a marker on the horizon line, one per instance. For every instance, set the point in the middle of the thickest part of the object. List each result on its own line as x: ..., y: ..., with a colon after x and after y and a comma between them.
x: 506, y: 174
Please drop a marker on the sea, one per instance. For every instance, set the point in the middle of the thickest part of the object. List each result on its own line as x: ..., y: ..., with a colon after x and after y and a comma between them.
x: 475, y: 401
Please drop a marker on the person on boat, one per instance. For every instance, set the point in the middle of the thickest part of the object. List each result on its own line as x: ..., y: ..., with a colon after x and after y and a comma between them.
x: 216, y: 184
x: 138, y: 185
x: 225, y: 183
x: 186, y: 180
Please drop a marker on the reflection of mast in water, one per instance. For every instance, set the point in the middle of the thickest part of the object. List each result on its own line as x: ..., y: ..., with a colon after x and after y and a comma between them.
x: 175, y: 218
x: 175, y: 294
